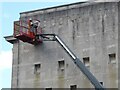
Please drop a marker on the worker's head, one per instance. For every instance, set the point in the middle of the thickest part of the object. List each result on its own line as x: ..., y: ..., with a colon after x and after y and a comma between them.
x: 30, y: 19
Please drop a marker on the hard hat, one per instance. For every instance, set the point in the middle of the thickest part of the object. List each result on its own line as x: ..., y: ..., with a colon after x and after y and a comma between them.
x: 30, y: 19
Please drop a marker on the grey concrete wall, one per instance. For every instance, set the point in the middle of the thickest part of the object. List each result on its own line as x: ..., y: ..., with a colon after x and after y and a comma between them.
x: 118, y: 45
x: 15, y: 65
x: 89, y: 31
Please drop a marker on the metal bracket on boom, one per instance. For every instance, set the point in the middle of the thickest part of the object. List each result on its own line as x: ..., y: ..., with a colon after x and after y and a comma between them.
x: 47, y: 37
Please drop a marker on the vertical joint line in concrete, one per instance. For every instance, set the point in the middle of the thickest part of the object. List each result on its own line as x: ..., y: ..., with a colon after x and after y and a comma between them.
x: 18, y: 65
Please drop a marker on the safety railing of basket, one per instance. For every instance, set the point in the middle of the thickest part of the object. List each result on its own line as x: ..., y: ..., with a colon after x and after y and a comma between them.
x: 20, y: 27
x: 16, y: 28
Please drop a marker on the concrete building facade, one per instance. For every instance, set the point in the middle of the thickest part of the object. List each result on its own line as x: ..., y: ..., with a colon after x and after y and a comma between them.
x: 89, y: 29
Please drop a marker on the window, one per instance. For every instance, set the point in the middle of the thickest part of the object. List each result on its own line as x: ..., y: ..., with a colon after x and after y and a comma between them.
x: 37, y: 68
x: 73, y: 87
x: 86, y: 61
x: 101, y: 83
x: 112, y: 58
x: 48, y: 88
x: 61, y: 65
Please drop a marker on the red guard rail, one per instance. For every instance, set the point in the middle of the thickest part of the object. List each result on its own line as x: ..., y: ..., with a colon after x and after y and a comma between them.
x: 22, y: 31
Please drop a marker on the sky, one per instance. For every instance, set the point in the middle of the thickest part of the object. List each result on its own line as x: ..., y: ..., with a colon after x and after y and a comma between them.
x: 9, y: 12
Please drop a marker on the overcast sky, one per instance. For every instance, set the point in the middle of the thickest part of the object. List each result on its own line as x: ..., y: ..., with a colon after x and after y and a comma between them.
x: 9, y: 12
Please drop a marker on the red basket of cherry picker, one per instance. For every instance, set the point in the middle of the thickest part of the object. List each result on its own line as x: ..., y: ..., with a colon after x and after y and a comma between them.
x: 27, y: 31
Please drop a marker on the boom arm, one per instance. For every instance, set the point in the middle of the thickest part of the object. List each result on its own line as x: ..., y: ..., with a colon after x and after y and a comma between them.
x: 80, y: 65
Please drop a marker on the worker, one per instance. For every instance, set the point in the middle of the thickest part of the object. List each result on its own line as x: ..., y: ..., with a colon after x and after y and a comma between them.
x: 34, y: 25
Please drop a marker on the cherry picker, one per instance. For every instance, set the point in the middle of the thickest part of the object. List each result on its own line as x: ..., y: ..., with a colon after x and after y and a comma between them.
x: 23, y: 33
